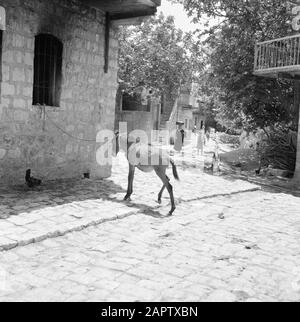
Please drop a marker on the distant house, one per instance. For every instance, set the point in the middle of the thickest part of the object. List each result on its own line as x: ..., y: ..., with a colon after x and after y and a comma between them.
x: 59, y: 63
x: 140, y: 110
x: 190, y: 108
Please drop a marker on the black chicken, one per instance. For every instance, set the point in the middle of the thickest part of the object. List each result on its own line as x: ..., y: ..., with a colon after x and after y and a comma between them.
x: 32, y: 182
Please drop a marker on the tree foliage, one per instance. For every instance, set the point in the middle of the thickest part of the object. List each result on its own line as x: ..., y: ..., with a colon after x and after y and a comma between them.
x: 237, y: 97
x: 158, y: 56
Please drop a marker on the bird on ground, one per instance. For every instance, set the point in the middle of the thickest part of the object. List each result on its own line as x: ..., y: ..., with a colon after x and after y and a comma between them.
x: 31, y: 181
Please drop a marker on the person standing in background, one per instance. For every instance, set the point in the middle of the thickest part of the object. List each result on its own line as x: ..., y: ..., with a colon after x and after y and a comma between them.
x: 179, y: 140
x: 212, y: 140
x: 201, y: 141
x: 212, y: 148
x: 194, y: 139
x: 182, y: 135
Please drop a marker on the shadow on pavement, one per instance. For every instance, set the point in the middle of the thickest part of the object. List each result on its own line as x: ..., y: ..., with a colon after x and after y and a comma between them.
x: 20, y: 199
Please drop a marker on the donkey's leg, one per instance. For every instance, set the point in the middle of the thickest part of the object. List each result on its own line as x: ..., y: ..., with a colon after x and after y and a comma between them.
x: 161, y: 192
x: 162, y: 175
x: 130, y: 182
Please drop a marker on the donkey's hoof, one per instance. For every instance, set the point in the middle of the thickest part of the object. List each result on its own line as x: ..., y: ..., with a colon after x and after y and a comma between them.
x: 171, y: 213
x: 126, y: 198
x: 159, y: 201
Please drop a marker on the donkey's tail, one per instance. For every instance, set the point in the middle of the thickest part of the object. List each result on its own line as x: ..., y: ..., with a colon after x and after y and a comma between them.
x: 174, y: 168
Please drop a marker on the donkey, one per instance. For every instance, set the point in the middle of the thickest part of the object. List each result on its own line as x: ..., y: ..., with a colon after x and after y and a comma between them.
x: 147, y: 154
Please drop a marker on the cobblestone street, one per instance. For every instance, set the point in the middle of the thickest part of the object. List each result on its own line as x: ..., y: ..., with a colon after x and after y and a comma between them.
x: 197, y: 105
x: 78, y: 241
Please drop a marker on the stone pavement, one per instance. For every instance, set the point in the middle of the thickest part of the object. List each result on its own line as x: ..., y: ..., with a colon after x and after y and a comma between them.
x: 228, y: 241
x: 57, y: 208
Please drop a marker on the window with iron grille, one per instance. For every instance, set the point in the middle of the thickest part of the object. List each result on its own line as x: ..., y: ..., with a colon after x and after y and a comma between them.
x: 47, y: 70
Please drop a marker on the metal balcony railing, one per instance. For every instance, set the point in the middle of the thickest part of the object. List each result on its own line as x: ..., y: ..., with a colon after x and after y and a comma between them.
x: 277, y: 56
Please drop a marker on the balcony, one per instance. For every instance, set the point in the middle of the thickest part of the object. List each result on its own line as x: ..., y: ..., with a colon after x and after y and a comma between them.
x: 278, y: 58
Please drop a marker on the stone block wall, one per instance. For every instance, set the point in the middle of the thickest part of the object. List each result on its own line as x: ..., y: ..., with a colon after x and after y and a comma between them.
x: 55, y: 142
x: 138, y: 119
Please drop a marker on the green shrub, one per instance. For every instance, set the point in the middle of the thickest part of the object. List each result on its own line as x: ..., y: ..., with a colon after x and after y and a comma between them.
x: 279, y: 150
x: 229, y: 139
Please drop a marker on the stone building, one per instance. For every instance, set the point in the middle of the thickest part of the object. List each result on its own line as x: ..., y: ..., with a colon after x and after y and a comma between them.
x: 190, y: 109
x: 59, y: 63
x: 141, y: 110
x: 187, y: 109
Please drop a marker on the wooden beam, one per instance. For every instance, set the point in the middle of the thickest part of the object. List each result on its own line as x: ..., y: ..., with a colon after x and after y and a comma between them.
x: 297, y: 106
x: 122, y: 5
x: 297, y: 170
x: 133, y: 14
x: 157, y: 2
x: 130, y: 21
x: 288, y: 76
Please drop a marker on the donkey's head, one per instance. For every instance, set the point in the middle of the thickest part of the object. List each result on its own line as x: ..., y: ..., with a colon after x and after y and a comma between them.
x: 121, y: 142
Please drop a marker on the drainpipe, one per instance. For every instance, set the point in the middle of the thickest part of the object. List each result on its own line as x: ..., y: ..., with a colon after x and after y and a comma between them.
x: 107, y: 34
